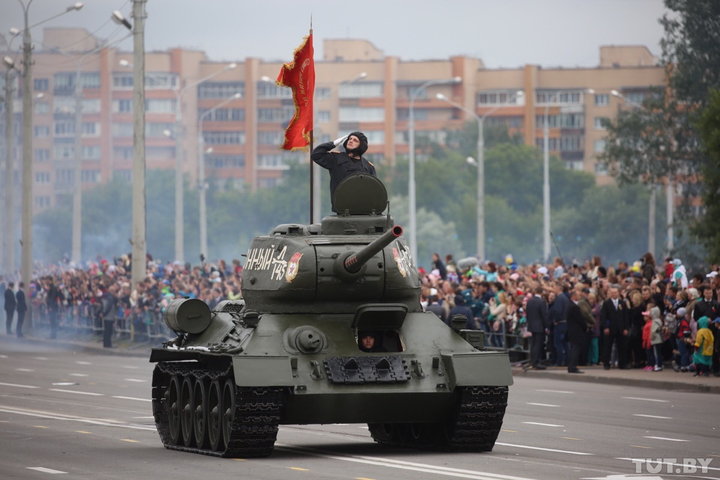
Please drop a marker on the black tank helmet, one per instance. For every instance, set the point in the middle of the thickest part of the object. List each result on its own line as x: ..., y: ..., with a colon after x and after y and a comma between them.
x: 363, y: 143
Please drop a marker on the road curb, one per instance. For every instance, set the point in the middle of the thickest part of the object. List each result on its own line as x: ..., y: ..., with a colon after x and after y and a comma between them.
x: 588, y: 376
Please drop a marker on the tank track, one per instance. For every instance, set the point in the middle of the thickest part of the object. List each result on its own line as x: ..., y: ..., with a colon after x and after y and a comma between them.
x: 473, y: 425
x: 256, y: 416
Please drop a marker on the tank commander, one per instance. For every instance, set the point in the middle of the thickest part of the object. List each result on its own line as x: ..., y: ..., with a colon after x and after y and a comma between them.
x: 341, y: 165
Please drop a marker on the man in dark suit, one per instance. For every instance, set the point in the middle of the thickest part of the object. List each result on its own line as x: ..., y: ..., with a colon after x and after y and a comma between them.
x: 9, y: 307
x: 576, y: 331
x: 538, y: 321
x: 614, y: 324
x: 21, y: 306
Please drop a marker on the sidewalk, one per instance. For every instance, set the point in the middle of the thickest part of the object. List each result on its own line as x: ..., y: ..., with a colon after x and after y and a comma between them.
x: 665, y: 380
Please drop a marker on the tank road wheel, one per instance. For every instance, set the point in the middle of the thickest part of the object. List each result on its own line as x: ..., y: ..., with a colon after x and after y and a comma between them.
x: 187, y: 407
x: 200, y: 413
x: 173, y: 407
x: 384, y: 433
x: 416, y: 434
x: 228, y: 411
x: 214, y: 417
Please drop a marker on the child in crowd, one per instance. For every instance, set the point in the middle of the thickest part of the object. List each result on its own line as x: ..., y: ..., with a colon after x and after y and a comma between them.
x: 647, y: 340
x: 683, y: 339
x: 704, y: 342
x: 657, y: 335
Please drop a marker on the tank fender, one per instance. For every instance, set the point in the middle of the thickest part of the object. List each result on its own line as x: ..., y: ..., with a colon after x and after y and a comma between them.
x: 490, y: 369
x: 262, y: 371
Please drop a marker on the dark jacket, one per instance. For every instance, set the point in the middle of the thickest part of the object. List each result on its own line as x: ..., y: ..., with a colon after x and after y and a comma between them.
x: 558, y: 309
x: 21, y: 305
x: 576, y: 324
x: 9, y: 300
x: 340, y: 165
x: 463, y: 310
x: 615, y: 319
x: 537, y: 315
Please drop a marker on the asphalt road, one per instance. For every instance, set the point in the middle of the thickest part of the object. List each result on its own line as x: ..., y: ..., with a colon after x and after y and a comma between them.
x: 88, y: 416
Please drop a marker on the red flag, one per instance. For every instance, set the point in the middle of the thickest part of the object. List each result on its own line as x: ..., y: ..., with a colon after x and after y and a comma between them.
x: 300, y: 76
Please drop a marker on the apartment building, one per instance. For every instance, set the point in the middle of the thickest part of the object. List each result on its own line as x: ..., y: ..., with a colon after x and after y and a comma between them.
x: 231, y: 116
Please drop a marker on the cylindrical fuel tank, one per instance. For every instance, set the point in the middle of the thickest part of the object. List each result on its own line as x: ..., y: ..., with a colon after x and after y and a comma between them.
x: 188, y: 315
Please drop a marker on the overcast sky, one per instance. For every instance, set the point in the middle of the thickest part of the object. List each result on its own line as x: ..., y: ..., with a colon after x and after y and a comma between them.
x: 503, y: 33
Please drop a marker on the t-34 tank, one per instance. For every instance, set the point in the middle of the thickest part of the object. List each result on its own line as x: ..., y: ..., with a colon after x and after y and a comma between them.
x: 297, y: 350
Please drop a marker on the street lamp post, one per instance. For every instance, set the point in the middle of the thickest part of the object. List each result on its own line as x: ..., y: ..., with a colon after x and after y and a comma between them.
x: 27, y: 172
x: 9, y: 230
x: 412, y: 219
x: 201, y: 174
x: 546, y: 184
x: 480, y: 168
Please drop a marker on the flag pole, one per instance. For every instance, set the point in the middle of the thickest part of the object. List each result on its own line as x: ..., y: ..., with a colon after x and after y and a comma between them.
x: 312, y: 178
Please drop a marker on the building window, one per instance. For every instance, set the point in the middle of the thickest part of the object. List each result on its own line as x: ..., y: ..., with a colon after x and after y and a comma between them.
x: 64, y: 83
x: 64, y: 105
x: 360, y: 90
x: 160, y: 81
x: 220, y: 89
x: 122, y: 105
x: 566, y: 143
x: 271, y: 90
x: 563, y: 120
x: 160, y: 152
x: 122, y: 129
x: 224, y: 138
x: 270, y: 138
x: 599, y: 122
x: 63, y: 152
x: 40, y: 131
x: 375, y: 136
x: 42, y: 154
x: 225, y: 161
x: 90, y: 129
x: 602, y: 99
x: 64, y: 177
x: 90, y: 176
x: 123, y: 153
x: 160, y: 105
x: 599, y: 145
x: 42, y: 107
x: 64, y: 128
x: 275, y: 115
x: 158, y: 129
x: 558, y: 97
x: 91, y: 152
x: 91, y: 105
x: 223, y: 114
x: 323, y: 116
x: 42, y: 177
x: 361, y: 114
x: 322, y: 93
x: 42, y: 201
x: 41, y: 84
x: 123, y: 175
x: 498, y: 97
x: 122, y: 81
x: 601, y: 168
x: 275, y: 161
x: 90, y: 80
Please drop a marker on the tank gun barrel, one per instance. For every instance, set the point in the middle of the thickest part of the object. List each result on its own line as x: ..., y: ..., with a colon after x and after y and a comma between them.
x: 354, y: 262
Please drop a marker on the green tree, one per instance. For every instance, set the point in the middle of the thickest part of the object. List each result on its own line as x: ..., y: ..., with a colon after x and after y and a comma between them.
x: 707, y: 228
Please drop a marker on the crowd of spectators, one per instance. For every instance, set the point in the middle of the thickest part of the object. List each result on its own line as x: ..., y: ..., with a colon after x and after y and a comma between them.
x: 641, y: 315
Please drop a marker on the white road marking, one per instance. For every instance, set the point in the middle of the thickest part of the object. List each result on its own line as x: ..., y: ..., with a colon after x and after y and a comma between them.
x: 138, y: 380
x: 46, y: 470
x: 651, y: 416
x: 666, y: 439
x: 16, y: 385
x: 144, y: 418
x: 412, y: 466
x: 72, y: 418
x: 92, y: 394
x: 3, y: 356
x: 81, y: 362
x: 544, y: 424
x: 40, y: 358
x: 528, y: 447
x: 542, y: 404
x: 131, y: 366
x: 64, y: 384
x: 24, y: 370
x: 78, y: 374
x: 132, y: 398
x: 655, y: 460
x: 646, y: 399
x: 547, y: 390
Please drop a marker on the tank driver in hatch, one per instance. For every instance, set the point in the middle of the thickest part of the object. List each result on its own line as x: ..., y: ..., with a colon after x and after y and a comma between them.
x: 341, y: 165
